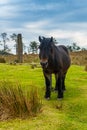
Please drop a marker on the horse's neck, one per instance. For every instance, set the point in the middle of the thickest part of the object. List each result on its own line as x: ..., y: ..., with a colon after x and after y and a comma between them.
x: 56, y: 55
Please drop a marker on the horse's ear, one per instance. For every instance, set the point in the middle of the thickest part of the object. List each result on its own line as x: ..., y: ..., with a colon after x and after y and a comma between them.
x: 40, y: 39
x: 51, y: 40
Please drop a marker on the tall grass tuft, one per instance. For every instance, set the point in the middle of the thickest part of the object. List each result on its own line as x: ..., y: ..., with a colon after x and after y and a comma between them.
x: 15, y: 103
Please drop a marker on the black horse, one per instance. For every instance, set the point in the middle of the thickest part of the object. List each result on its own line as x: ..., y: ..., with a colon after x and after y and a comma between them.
x: 53, y: 59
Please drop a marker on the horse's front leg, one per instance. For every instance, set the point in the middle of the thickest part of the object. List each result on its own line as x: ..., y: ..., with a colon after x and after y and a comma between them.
x: 63, y: 83
x: 48, y: 85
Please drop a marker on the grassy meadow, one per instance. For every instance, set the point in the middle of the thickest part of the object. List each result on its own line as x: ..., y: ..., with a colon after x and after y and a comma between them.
x: 67, y: 114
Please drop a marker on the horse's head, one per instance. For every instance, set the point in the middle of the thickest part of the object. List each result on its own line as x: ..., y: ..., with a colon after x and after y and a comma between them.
x: 46, y: 50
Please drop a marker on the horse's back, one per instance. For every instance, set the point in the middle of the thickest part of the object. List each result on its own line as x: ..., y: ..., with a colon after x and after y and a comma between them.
x: 64, y: 48
x: 63, y: 53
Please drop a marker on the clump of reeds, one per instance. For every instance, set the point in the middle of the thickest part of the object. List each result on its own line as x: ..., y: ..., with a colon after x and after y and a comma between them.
x: 15, y: 103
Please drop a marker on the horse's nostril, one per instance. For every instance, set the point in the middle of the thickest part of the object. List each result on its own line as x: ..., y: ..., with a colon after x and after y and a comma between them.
x: 44, y: 64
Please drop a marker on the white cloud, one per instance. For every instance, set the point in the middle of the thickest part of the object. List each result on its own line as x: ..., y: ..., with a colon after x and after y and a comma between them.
x: 15, y: 17
x: 36, y: 25
x: 4, y: 1
x: 74, y: 36
x: 75, y: 32
x: 8, y: 11
x: 80, y: 38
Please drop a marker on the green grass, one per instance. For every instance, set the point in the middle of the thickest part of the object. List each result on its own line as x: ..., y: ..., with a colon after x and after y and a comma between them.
x: 68, y: 114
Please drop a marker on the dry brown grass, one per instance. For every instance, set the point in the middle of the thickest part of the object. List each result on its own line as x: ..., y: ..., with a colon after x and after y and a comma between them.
x: 27, y: 58
x: 14, y: 103
x: 2, y: 60
x: 78, y: 58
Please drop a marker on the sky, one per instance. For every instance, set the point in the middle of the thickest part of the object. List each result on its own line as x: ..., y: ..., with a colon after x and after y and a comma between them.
x: 65, y: 20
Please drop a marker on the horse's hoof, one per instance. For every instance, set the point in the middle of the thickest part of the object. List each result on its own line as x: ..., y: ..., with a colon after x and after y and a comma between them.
x: 55, y: 91
x: 52, y: 89
x: 47, y: 98
x: 60, y: 99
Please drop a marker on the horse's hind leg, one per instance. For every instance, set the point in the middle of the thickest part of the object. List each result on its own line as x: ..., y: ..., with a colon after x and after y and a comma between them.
x: 56, y: 84
x: 63, y: 82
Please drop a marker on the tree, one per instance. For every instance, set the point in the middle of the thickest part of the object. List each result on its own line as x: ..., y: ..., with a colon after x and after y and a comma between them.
x: 73, y: 47
x: 33, y: 47
x: 0, y: 43
x: 14, y: 38
x: 69, y: 48
x: 83, y: 49
x: 4, y: 39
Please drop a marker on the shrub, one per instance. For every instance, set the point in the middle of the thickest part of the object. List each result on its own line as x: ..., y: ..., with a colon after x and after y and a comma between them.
x: 15, y: 103
x: 86, y: 68
x: 33, y: 65
x: 2, y: 60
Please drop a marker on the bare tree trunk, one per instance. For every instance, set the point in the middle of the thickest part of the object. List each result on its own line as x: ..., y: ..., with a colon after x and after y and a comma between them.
x: 19, y: 48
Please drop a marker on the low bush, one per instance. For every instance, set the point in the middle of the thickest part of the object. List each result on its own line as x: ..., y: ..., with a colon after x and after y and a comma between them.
x: 85, y: 67
x: 2, y: 60
x: 14, y: 102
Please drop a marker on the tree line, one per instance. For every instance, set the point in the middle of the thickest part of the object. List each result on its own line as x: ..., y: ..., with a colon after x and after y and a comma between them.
x: 32, y: 46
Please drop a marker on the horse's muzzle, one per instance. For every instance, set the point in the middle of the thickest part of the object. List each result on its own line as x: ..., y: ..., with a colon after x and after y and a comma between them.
x: 44, y: 64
